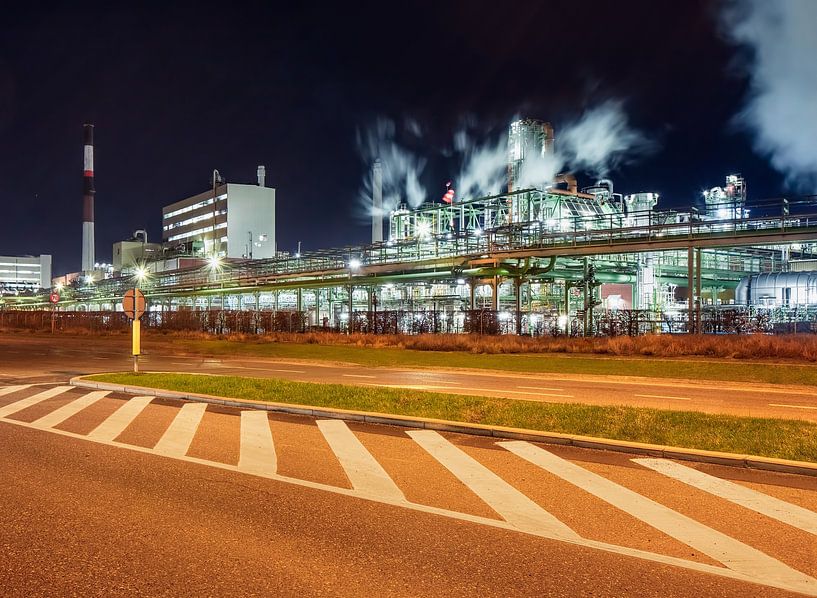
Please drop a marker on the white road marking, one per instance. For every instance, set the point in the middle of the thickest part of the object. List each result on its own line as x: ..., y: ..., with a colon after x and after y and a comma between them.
x: 513, y: 506
x: 7, y: 390
x: 357, y: 376
x: 257, y: 454
x: 540, y: 388
x: 460, y: 388
x: 764, y: 504
x: 792, y: 406
x: 734, y: 554
x: 664, y: 397
x: 247, y: 367
x: 58, y: 416
x: 364, y: 472
x: 120, y: 419
x: 179, y: 435
x: 16, y: 406
x: 494, y: 523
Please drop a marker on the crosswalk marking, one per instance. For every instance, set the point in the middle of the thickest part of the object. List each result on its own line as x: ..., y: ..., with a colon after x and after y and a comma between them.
x: 734, y: 554
x: 764, y: 504
x: 179, y: 435
x: 58, y: 416
x: 364, y: 472
x: 7, y: 390
x: 16, y: 406
x: 257, y: 452
x: 120, y: 419
x: 516, y: 508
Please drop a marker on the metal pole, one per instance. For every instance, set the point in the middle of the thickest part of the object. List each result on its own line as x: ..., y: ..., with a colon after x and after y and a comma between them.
x: 698, y: 267
x: 690, y: 289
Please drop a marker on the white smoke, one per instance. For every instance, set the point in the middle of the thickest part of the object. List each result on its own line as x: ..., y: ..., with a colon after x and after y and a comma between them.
x: 781, y: 109
x: 597, y: 142
x: 401, y: 168
x: 601, y: 140
x: 483, y: 168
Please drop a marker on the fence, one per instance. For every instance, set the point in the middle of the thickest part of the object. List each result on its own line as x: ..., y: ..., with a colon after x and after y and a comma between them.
x: 606, y: 323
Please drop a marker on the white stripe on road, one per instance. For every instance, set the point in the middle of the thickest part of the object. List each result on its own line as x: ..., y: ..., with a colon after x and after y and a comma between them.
x: 734, y: 554
x: 764, y: 504
x: 257, y: 453
x: 58, y: 416
x: 363, y: 471
x: 664, y: 397
x: 513, y: 506
x: 357, y: 376
x: 7, y: 390
x: 792, y: 406
x: 120, y: 419
x: 177, y: 438
x: 16, y: 406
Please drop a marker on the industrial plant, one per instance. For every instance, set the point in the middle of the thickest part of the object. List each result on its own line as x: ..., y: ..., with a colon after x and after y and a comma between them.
x: 542, y: 258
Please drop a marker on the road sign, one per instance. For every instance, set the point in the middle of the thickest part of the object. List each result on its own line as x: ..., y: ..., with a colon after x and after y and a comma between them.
x: 133, y: 303
x: 54, y: 298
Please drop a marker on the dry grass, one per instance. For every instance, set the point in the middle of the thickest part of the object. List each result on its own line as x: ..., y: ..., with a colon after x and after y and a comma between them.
x: 753, y: 346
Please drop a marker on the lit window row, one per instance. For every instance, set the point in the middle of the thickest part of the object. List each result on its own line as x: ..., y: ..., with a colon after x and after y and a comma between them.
x: 195, y: 206
x: 198, y: 231
x: 193, y: 220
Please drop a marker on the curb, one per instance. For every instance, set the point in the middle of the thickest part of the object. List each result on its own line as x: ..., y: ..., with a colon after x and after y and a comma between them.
x: 638, y: 448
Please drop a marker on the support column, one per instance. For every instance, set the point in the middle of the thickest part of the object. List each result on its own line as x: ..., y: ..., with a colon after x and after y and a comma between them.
x: 518, y: 291
x: 472, y: 287
x: 495, y: 293
x: 690, y: 290
x: 698, y: 268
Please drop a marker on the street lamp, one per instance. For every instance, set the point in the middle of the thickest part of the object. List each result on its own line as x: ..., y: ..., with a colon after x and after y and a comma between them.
x: 217, y: 180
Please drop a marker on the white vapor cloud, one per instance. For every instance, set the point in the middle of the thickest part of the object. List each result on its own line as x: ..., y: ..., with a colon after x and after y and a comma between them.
x: 601, y: 140
x: 598, y: 141
x: 781, y: 109
x: 401, y: 168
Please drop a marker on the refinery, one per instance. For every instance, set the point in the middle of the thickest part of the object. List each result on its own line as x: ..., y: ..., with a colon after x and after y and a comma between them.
x: 539, y: 259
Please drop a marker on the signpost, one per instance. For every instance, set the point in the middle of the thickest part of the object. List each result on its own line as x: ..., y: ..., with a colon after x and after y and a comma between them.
x: 133, y: 303
x: 54, y: 298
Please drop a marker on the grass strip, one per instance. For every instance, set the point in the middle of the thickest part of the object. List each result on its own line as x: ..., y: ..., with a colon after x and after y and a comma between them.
x: 786, y: 439
x: 650, y: 367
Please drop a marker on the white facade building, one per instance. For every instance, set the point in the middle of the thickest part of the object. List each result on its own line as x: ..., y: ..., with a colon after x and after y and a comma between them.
x: 239, y: 219
x: 27, y: 273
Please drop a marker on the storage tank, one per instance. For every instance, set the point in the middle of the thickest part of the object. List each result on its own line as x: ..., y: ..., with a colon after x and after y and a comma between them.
x: 778, y: 288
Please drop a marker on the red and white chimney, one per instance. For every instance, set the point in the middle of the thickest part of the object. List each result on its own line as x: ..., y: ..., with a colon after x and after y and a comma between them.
x: 88, y: 200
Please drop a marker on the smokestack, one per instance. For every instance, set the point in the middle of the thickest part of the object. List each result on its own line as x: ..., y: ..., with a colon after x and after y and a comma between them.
x: 88, y: 200
x: 262, y: 175
x: 377, y: 202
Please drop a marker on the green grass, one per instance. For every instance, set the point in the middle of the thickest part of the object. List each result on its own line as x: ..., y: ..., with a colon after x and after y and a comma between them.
x: 651, y: 367
x: 787, y: 439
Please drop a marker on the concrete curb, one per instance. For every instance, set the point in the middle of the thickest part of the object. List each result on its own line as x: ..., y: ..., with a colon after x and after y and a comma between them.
x: 638, y: 448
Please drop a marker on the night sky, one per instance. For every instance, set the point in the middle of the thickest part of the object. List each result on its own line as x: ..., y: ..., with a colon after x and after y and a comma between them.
x: 176, y: 92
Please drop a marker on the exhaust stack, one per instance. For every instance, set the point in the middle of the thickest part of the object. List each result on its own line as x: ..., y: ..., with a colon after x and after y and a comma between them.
x: 88, y: 192
x: 377, y: 202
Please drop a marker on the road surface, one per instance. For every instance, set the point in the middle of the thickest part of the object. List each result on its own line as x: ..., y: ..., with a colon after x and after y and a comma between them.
x: 110, y: 494
x: 43, y: 358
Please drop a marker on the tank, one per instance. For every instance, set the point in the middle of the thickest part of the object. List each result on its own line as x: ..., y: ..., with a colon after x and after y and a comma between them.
x: 774, y: 289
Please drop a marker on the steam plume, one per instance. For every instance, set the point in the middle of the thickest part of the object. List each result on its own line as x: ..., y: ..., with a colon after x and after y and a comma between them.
x: 781, y: 109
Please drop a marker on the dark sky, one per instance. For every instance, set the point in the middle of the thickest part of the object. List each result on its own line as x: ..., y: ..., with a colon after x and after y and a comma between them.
x: 176, y: 92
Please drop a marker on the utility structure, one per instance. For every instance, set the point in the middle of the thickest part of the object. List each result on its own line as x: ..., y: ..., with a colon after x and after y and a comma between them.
x: 88, y: 193
x: 377, y: 202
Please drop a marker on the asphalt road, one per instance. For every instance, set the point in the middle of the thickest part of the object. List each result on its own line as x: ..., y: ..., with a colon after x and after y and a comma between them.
x: 108, y: 494
x: 39, y: 358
